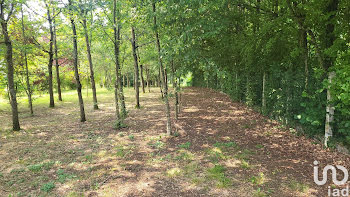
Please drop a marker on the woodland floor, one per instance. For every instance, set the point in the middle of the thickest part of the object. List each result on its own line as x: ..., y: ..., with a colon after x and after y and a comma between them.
x: 222, y: 148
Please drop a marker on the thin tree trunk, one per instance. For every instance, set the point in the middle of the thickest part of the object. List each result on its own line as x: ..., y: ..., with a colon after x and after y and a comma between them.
x: 329, y: 111
x: 329, y: 61
x: 76, y: 70
x: 128, y: 80
x: 116, y: 28
x: 142, y: 79
x: 179, y: 80
x: 163, y: 72
x: 92, y: 75
x: 264, y: 93
x: 57, y: 65
x: 52, y: 101
x: 148, y: 80
x: 136, y: 69
x: 160, y: 83
x: 29, y: 91
x: 10, y: 70
x: 176, y: 91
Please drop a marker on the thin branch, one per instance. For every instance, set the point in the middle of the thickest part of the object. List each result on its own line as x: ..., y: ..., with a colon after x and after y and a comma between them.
x: 141, y: 45
x: 39, y: 45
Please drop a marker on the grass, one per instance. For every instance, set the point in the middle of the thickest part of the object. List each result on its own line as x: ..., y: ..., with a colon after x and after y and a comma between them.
x: 259, y: 179
x: 217, y: 173
x: 186, y: 145
x: 297, y: 186
x: 225, y: 144
x: 48, y: 187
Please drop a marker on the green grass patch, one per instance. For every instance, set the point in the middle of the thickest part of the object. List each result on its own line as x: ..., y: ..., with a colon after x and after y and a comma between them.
x: 225, y: 144
x: 217, y: 173
x: 245, y: 165
x: 131, y: 137
x: 258, y: 180
x: 259, y: 193
x: 300, y: 187
x: 62, y: 176
x: 157, y: 145
x: 47, y: 187
x: 186, y: 145
x: 184, y: 155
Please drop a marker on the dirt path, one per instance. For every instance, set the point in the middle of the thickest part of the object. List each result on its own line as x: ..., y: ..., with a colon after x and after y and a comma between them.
x: 221, y: 149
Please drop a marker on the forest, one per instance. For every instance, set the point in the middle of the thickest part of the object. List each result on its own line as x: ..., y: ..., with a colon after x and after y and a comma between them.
x: 174, y: 97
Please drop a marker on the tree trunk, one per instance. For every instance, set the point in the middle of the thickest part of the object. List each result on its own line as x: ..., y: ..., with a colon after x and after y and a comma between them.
x: 29, y: 91
x: 57, y: 65
x: 142, y: 79
x: 128, y: 80
x: 92, y: 76
x: 116, y: 28
x: 328, y: 40
x: 176, y: 91
x: 329, y: 111
x: 160, y: 83
x: 52, y: 101
x: 163, y: 73
x: 179, y: 81
x: 76, y: 70
x: 148, y: 80
x: 136, y: 69
x: 10, y: 70
x: 264, y: 93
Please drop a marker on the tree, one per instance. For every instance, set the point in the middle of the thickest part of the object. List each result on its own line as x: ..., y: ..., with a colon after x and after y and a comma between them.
x: 84, y: 11
x: 29, y: 90
x: 50, y: 52
x: 75, y: 64
x: 162, y: 71
x: 136, y: 65
x: 59, y: 92
x: 9, y: 61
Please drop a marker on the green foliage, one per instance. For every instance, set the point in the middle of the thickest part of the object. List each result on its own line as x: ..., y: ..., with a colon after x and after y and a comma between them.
x: 48, y: 187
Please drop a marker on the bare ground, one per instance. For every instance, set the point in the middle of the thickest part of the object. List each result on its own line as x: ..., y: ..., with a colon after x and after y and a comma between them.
x: 221, y: 148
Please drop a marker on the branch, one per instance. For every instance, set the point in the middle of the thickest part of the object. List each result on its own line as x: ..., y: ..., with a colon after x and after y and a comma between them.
x: 35, y: 11
x: 10, y: 13
x: 53, y: 17
x: 39, y: 45
x: 141, y: 45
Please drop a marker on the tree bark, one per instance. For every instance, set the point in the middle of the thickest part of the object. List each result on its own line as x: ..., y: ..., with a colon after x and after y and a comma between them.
x: 328, y: 40
x: 29, y: 91
x: 10, y: 69
x: 136, y: 69
x: 148, y: 80
x: 76, y: 70
x: 176, y: 91
x: 56, y: 61
x: 92, y: 75
x: 116, y: 29
x: 52, y: 100
x: 264, y: 93
x: 163, y: 73
x: 128, y: 80
x: 142, y: 79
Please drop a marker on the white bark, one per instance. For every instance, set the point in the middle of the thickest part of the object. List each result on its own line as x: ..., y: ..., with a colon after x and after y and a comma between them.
x: 329, y: 111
